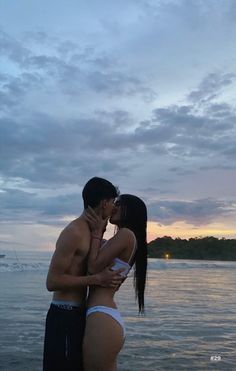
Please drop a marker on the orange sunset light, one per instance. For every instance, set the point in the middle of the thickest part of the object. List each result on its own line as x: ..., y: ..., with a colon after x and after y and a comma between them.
x: 184, y: 230
x: 154, y: 230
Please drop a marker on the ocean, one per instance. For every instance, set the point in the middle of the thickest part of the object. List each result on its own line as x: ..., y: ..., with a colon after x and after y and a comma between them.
x: 189, y: 324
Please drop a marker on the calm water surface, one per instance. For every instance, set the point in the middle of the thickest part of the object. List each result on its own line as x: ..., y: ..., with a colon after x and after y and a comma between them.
x: 190, y: 315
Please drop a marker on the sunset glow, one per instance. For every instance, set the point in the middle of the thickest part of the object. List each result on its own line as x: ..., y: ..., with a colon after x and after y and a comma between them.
x: 141, y: 94
x: 184, y: 230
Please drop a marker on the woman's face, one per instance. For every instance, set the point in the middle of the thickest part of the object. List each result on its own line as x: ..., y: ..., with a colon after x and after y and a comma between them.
x: 116, y: 212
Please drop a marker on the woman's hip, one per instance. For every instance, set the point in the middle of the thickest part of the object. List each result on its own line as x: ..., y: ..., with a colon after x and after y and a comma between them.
x: 108, y: 313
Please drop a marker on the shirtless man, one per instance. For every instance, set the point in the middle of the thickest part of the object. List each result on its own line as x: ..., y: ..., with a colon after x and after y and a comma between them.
x: 67, y: 278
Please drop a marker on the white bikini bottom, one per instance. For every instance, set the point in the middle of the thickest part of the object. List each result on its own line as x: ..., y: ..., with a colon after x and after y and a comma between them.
x: 114, y: 313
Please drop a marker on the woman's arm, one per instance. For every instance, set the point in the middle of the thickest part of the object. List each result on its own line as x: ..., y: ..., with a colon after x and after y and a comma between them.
x: 99, y: 257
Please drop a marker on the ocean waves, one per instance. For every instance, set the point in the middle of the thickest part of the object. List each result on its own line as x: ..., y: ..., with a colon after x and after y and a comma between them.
x: 162, y: 264
x: 25, y: 261
x: 39, y: 261
x: 20, y: 267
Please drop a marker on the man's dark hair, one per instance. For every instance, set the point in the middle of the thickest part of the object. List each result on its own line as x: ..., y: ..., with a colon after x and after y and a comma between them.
x: 96, y: 190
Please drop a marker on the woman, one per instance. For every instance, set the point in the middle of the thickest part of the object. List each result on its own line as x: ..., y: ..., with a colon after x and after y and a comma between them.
x: 105, y: 332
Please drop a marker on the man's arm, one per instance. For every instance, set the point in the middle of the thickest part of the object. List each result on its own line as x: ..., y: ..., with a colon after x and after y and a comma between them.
x: 58, y: 279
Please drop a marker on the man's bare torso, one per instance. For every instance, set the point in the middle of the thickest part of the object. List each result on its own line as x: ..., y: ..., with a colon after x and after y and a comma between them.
x: 77, y: 233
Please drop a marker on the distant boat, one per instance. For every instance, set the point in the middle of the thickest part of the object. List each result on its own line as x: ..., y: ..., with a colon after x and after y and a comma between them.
x: 2, y: 255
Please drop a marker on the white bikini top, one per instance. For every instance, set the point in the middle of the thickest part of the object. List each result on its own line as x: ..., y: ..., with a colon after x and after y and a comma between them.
x: 118, y: 263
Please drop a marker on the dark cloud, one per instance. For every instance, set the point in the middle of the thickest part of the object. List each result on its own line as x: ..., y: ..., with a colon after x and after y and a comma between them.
x: 12, y: 49
x: 28, y: 207
x: 220, y: 110
x: 150, y: 192
x: 14, y: 89
x: 73, y: 68
x: 197, y: 212
x: 218, y: 167
x: 184, y: 132
x: 211, y: 87
x: 119, y: 118
x: 41, y: 148
x: 50, y: 150
x: 42, y: 38
x: 182, y: 171
x: 118, y: 83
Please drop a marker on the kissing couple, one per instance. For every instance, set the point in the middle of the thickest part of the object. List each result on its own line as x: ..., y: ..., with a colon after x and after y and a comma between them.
x: 84, y: 329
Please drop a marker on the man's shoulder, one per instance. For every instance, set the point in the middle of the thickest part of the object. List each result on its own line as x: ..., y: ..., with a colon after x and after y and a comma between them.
x: 73, y: 231
x: 68, y: 232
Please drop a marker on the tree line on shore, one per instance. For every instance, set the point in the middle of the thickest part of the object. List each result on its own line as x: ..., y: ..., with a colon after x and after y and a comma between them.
x: 207, y: 248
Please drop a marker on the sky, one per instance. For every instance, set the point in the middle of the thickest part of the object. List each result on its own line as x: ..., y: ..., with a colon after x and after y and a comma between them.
x: 140, y: 92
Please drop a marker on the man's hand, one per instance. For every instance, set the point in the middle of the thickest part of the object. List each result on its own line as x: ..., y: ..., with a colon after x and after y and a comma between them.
x: 109, y: 278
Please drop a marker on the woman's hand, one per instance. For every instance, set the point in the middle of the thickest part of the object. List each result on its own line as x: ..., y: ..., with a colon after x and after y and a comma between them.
x: 96, y: 223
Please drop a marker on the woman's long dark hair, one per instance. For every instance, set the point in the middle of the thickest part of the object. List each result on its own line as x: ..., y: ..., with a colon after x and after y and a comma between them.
x: 134, y: 217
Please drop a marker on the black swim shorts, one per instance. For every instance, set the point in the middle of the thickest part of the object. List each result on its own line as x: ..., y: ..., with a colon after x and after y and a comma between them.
x: 63, y: 339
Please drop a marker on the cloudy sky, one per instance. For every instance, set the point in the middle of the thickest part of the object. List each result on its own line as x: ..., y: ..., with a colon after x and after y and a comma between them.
x: 141, y: 92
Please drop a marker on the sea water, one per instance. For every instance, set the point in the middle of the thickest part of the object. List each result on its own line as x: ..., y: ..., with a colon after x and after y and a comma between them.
x: 189, y: 323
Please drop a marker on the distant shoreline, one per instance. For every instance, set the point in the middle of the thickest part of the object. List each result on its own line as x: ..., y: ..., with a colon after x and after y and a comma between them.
x: 206, y: 248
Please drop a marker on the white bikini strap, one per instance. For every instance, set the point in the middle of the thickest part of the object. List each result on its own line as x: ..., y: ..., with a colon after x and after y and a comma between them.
x: 134, y: 248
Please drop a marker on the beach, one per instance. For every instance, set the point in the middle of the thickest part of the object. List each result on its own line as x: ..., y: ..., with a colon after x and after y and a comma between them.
x: 190, y: 319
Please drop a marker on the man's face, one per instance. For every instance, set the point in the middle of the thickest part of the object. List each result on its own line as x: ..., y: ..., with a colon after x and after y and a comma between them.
x: 107, y: 207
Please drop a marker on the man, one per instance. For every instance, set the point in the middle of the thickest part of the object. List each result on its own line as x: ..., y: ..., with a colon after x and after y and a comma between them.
x: 67, y: 278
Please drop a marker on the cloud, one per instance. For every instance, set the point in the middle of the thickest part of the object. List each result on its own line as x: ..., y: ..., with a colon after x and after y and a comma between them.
x: 211, y: 87
x: 14, y: 89
x: 29, y: 208
x: 68, y: 66
x: 196, y: 212
x: 46, y: 149
x: 143, y: 94
x: 12, y: 49
x: 183, y: 131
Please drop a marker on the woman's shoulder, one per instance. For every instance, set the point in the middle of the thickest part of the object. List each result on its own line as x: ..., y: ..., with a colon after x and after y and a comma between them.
x: 126, y: 233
